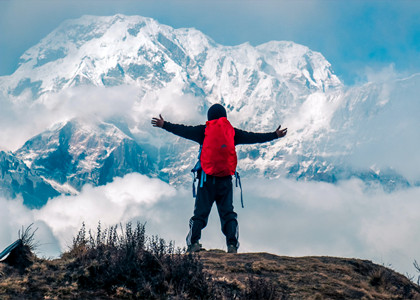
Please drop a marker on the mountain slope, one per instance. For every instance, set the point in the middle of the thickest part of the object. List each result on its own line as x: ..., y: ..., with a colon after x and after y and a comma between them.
x: 17, y: 179
x: 80, y: 152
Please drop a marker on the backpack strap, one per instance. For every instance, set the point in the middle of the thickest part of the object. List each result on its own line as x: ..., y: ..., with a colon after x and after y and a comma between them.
x: 193, y: 184
x: 238, y: 179
x: 203, y: 178
x: 194, y: 171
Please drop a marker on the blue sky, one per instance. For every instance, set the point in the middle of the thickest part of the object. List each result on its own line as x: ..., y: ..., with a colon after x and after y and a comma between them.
x: 355, y: 36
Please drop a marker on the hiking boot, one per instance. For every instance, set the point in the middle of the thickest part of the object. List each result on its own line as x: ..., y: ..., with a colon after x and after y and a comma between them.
x: 232, y: 249
x: 196, y: 247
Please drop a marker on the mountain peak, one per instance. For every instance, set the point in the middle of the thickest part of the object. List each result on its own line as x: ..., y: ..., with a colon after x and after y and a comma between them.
x: 134, y: 50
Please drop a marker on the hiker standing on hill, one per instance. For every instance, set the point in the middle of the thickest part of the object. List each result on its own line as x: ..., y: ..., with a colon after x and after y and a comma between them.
x: 217, y: 165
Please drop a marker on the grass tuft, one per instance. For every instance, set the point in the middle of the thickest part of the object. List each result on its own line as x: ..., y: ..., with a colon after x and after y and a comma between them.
x: 123, y: 260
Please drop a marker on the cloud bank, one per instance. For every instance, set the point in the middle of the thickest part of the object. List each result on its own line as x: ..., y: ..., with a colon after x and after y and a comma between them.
x: 374, y: 125
x: 283, y: 216
x: 386, y: 134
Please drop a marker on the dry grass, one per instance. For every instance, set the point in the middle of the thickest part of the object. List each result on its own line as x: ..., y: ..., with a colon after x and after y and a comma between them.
x: 313, y: 277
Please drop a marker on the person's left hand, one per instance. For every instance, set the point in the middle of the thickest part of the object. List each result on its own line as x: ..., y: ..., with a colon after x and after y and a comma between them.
x: 281, y: 132
x: 158, y: 122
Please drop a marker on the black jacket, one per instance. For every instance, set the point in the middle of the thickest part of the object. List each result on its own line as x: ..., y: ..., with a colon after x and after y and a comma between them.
x: 196, y: 134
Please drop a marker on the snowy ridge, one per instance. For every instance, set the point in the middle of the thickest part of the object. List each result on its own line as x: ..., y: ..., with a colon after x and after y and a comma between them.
x: 92, y: 50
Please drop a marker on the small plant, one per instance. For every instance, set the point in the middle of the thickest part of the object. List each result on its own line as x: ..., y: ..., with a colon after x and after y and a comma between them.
x: 377, y: 278
x: 260, y: 288
x: 416, y: 265
x: 21, y: 257
x: 27, y: 236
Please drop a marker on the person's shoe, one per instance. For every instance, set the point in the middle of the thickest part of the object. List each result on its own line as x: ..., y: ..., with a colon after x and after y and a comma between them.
x: 196, y: 247
x: 232, y: 249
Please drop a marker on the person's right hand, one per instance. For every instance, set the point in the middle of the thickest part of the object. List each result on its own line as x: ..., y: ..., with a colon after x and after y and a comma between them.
x: 158, y: 122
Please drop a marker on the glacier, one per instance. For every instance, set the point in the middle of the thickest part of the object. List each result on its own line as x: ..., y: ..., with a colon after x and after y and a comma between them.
x: 147, y: 68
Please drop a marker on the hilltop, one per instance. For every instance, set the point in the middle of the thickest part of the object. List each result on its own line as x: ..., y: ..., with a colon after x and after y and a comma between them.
x: 244, y: 275
x: 109, y: 265
x: 313, y: 277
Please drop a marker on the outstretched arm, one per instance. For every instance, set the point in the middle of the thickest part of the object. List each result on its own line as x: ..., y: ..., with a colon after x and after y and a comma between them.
x: 194, y: 133
x: 245, y: 137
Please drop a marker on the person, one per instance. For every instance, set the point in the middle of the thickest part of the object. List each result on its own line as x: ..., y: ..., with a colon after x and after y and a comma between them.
x: 214, y: 188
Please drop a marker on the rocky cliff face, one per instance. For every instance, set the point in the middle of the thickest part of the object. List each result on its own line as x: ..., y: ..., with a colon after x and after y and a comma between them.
x: 17, y: 179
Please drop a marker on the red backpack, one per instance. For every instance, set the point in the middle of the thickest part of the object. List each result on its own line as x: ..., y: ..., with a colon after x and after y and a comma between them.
x: 218, y: 155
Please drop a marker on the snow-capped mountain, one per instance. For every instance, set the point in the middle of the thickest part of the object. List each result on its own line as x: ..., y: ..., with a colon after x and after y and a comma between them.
x: 182, y: 72
x: 107, y: 51
x: 65, y: 157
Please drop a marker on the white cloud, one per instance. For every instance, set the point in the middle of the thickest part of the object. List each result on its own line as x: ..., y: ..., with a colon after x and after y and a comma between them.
x: 24, y: 118
x: 385, y: 74
x: 388, y: 136
x: 283, y: 216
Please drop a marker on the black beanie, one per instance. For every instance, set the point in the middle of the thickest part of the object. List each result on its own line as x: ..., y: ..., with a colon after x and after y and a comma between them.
x: 216, y: 111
